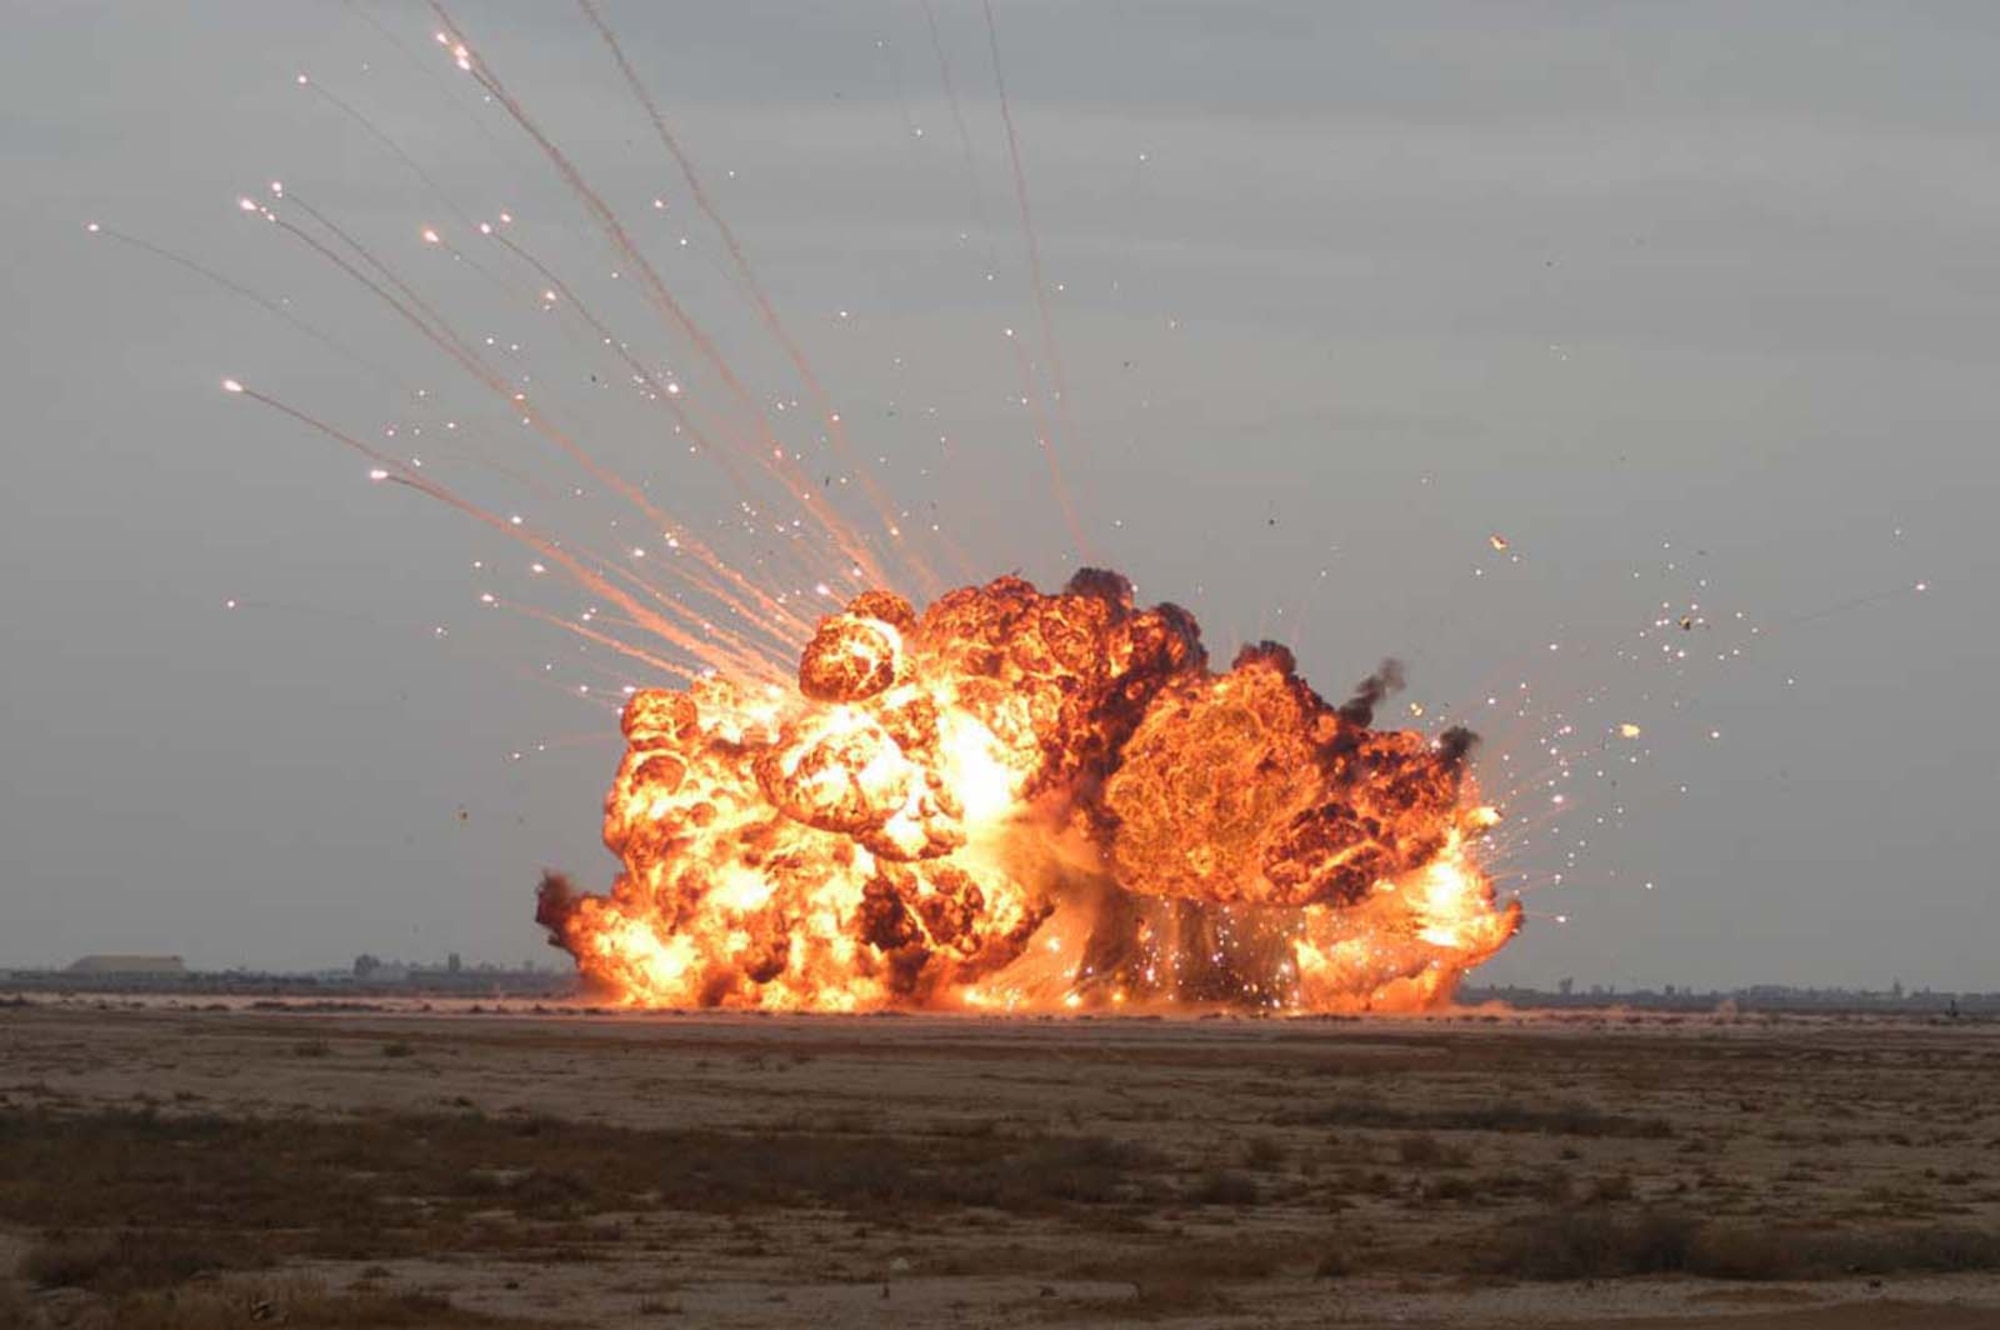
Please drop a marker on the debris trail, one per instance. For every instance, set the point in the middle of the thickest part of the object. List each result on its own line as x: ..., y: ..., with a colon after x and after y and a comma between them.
x: 1058, y: 378
x: 767, y: 311
x: 855, y: 551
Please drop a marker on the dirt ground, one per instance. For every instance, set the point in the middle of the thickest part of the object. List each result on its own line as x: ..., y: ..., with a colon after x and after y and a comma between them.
x: 190, y: 1164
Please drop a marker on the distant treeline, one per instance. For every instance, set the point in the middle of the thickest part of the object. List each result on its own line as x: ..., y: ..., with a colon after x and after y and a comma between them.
x: 1758, y: 997
x: 441, y: 982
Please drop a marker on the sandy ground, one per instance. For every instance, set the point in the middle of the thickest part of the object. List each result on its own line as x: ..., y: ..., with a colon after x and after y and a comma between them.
x: 1770, y: 1122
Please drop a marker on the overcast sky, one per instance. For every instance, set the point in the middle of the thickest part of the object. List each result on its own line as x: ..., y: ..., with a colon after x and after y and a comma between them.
x: 1693, y: 304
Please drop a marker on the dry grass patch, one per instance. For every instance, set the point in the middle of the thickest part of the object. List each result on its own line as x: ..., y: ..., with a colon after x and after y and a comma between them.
x: 1181, y: 1276
x: 290, y: 1302
x: 134, y: 1259
x: 1591, y: 1244
x: 1757, y: 1253
x: 1574, y: 1119
x: 1223, y: 1186
x: 14, y: 1304
x: 361, y: 1188
x: 1601, y: 1243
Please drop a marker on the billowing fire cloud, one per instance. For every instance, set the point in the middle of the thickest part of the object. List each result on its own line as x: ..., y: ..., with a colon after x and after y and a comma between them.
x: 1022, y: 801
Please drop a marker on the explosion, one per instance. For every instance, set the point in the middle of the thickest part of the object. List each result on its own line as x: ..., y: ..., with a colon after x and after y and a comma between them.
x: 1011, y: 801
x: 1028, y: 801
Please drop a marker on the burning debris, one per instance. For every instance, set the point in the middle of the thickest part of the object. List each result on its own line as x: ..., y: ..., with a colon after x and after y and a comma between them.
x: 1019, y: 800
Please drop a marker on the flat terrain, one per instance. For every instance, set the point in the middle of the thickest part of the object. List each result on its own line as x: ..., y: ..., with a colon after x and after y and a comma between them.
x: 169, y: 1164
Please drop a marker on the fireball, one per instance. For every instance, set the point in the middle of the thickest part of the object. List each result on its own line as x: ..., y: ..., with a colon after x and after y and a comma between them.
x: 1026, y: 801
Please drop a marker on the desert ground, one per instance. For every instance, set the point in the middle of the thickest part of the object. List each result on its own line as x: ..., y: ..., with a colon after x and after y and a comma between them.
x: 179, y: 1163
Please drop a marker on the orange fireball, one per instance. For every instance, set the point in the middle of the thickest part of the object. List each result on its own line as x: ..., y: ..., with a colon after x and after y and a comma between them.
x: 1023, y: 801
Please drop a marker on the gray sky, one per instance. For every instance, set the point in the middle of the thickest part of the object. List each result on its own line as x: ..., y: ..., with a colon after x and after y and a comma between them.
x: 1664, y: 294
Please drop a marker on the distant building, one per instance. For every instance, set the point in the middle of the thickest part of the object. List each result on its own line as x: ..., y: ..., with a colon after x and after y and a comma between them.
x: 161, y: 967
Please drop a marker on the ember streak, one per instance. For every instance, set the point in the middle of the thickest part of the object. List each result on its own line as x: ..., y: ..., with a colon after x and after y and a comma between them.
x: 1026, y: 801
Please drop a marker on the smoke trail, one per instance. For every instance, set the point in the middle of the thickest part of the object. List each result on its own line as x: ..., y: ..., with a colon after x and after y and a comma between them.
x: 1368, y: 694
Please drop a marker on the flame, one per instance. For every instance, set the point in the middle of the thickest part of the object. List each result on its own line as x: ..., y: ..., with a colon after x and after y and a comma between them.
x: 1020, y: 801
